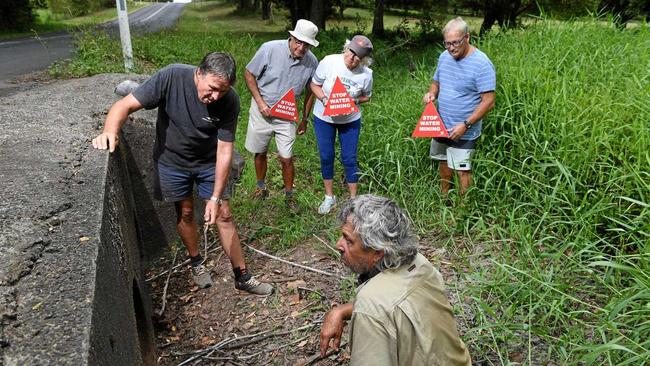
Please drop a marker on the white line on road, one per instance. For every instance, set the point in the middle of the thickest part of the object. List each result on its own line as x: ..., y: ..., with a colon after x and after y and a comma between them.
x: 7, y: 43
x: 157, y: 11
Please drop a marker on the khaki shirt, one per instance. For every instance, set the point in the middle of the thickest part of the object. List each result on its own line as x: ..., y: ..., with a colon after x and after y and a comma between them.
x: 402, y: 317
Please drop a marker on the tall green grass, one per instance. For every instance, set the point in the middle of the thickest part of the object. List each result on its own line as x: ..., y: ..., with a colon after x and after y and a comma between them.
x: 552, y: 243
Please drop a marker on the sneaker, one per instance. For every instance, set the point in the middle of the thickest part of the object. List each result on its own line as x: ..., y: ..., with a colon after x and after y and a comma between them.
x: 260, y: 193
x: 201, y: 276
x: 255, y: 287
x: 292, y: 205
x: 327, y: 205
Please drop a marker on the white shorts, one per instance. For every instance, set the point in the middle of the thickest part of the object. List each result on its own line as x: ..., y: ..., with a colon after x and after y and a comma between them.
x: 261, y: 129
x: 458, y: 156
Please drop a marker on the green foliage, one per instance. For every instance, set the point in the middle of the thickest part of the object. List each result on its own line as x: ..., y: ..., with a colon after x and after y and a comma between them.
x: 15, y: 15
x: 553, y: 240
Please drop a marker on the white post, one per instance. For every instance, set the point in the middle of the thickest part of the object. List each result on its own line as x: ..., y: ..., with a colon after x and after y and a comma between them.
x: 125, y: 34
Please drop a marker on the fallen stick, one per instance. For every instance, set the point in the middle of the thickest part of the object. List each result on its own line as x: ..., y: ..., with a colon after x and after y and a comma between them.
x: 221, y: 345
x: 186, y: 262
x: 249, y: 356
x: 294, y: 264
x: 317, y: 356
x: 338, y: 254
x: 164, y: 295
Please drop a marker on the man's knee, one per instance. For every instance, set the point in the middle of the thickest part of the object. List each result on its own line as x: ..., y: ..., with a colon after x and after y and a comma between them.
x: 286, y: 162
x: 224, y: 219
x: 185, y: 215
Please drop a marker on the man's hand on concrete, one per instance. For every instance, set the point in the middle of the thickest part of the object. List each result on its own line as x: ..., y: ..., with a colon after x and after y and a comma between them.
x: 106, y: 140
x: 331, y: 330
x: 302, y: 127
x: 428, y: 97
x: 213, y: 211
x: 457, y: 131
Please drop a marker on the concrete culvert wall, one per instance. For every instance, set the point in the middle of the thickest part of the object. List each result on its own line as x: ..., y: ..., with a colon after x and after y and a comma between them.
x: 72, y: 289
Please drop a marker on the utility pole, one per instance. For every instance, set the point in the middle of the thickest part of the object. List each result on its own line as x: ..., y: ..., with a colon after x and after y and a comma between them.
x: 125, y: 34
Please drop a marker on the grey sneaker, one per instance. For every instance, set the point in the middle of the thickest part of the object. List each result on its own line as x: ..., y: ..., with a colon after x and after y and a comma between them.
x: 201, y: 276
x: 255, y: 287
x: 327, y: 205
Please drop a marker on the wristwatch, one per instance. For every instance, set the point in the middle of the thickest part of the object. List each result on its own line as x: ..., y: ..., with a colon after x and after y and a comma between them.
x: 216, y: 200
x: 467, y: 124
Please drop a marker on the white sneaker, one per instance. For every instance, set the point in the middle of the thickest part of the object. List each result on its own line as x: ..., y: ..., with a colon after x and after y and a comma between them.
x: 327, y: 205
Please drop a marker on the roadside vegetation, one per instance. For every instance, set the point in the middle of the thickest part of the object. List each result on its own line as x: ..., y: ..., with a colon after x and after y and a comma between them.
x: 45, y: 20
x: 552, y: 243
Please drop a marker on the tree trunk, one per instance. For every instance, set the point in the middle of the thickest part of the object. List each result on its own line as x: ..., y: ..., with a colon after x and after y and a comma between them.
x: 266, y: 10
x: 317, y: 14
x: 298, y: 9
x: 243, y: 5
x: 378, y: 21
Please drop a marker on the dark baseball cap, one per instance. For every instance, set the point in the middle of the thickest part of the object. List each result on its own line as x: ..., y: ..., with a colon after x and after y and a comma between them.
x: 360, y: 45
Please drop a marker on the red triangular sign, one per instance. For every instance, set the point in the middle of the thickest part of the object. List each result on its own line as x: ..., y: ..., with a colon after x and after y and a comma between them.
x: 430, y: 124
x: 339, y: 101
x: 286, y: 107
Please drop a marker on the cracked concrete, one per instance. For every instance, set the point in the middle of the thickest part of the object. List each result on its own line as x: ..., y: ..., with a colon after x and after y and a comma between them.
x: 52, y: 233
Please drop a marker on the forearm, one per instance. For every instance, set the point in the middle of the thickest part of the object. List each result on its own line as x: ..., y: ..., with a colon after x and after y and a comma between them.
x: 344, y: 311
x: 434, y: 89
x: 363, y: 99
x: 486, y: 105
x: 222, y: 167
x: 309, y: 103
x: 118, y: 114
x: 318, y: 92
x: 251, y: 83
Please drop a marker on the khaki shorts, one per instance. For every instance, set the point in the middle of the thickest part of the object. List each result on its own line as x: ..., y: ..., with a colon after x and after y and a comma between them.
x: 261, y: 129
x: 458, y: 154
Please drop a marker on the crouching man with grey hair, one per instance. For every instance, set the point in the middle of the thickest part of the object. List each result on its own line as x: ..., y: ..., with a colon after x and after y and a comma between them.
x: 401, y: 315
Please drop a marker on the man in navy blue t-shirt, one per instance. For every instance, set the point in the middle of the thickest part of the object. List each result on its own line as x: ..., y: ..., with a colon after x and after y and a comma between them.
x: 464, y: 84
x: 195, y: 130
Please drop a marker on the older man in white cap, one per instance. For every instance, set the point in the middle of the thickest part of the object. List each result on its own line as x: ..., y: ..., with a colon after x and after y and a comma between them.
x: 277, y: 67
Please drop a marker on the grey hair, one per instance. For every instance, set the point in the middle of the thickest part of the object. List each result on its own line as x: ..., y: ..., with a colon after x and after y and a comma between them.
x: 366, y: 61
x: 220, y: 64
x: 383, y: 226
x: 456, y: 24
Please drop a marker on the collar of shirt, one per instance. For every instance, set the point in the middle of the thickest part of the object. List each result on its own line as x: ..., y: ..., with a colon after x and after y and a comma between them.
x: 295, y: 60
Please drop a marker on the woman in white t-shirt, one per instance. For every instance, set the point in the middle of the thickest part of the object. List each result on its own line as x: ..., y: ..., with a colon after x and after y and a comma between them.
x: 351, y: 68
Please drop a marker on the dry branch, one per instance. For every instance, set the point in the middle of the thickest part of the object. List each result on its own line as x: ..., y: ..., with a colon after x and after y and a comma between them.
x: 294, y: 264
x: 164, y: 294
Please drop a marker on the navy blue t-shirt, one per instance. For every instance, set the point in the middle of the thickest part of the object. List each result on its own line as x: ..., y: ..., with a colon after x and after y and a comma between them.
x: 187, y: 130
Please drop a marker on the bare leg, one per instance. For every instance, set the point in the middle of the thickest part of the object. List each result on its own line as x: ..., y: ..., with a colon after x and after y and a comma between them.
x: 287, y: 173
x: 329, y: 187
x: 353, y: 189
x: 446, y: 175
x: 465, y: 178
x: 186, y: 226
x: 229, y: 237
x: 260, y: 166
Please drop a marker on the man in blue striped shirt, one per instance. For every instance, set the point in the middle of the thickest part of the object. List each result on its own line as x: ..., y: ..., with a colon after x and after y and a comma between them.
x: 464, y: 84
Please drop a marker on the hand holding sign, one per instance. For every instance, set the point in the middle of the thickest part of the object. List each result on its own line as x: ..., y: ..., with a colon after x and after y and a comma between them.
x: 430, y: 124
x: 286, y: 107
x: 339, y: 101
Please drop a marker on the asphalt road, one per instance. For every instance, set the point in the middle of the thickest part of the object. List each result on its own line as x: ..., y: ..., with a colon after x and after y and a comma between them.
x: 26, y: 55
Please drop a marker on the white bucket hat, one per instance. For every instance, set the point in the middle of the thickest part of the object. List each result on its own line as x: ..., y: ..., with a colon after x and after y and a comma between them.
x: 305, y: 31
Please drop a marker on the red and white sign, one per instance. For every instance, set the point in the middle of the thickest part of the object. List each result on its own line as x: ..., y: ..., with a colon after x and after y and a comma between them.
x: 339, y: 101
x: 286, y: 107
x: 430, y: 124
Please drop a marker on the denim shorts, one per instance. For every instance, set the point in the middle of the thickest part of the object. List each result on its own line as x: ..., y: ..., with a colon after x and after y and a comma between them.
x: 173, y: 184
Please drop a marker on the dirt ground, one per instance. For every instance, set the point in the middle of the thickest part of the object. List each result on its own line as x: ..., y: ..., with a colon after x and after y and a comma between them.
x: 214, y: 326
